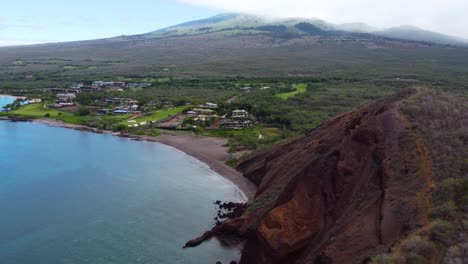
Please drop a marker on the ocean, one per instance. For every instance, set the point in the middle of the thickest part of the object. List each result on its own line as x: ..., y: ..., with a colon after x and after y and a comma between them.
x: 5, y: 100
x: 75, y: 197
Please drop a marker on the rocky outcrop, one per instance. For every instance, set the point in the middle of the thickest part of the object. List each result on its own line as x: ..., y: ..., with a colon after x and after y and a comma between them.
x: 342, y: 193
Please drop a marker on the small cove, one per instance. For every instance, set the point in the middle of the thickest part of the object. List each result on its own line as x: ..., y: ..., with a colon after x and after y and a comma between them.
x: 75, y: 197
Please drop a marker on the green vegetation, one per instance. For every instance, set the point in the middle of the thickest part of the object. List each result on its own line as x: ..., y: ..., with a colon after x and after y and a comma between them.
x: 69, y: 67
x: 299, y: 88
x: 160, y: 114
x: 83, y: 111
x: 318, y: 100
x: 308, y: 84
x: 19, y: 63
x: 80, y: 117
x: 250, y: 138
x: 322, y: 100
x: 441, y: 118
x: 37, y: 111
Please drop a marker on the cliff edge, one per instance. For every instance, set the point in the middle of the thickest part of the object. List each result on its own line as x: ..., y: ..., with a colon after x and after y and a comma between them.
x: 342, y: 193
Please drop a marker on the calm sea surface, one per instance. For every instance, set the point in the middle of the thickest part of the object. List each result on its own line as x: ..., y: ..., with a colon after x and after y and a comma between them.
x: 73, y: 197
x: 5, y: 100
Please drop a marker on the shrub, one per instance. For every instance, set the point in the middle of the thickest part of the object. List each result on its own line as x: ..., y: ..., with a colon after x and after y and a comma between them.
x: 47, y: 115
x: 442, y: 232
x: 416, y: 259
x: 120, y: 128
x: 416, y: 247
x: 451, y: 189
x: 83, y: 111
x: 139, y: 132
x: 385, y: 259
x: 446, y: 211
x: 153, y: 133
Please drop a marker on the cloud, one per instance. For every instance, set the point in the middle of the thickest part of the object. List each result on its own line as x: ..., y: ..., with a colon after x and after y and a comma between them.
x: 447, y: 16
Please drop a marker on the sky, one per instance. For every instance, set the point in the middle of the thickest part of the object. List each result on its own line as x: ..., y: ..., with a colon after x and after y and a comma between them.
x: 39, y: 21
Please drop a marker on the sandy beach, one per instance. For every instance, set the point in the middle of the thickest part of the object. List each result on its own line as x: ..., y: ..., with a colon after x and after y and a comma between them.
x: 12, y: 96
x: 211, y: 151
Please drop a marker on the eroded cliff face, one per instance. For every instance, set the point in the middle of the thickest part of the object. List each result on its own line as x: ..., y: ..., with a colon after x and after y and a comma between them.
x: 344, y: 192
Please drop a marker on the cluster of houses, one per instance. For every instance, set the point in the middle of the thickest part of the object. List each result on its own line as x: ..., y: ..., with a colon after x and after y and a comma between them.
x: 64, y: 100
x: 120, y: 106
x: 249, y: 89
x: 203, y: 113
x: 34, y: 101
x: 138, y: 85
x: 237, y: 119
x: 108, y: 85
x: 133, y: 123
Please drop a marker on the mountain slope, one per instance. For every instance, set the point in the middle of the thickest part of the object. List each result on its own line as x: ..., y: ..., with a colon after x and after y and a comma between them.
x: 233, y: 23
x: 338, y: 190
x: 231, y: 46
x: 417, y: 34
x: 243, y: 23
x: 363, y: 184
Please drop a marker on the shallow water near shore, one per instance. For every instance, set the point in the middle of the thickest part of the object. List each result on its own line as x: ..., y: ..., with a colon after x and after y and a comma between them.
x: 4, y: 100
x: 74, y: 197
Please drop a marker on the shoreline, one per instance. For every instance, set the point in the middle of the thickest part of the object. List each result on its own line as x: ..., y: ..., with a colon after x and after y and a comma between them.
x: 209, y: 150
x: 12, y: 96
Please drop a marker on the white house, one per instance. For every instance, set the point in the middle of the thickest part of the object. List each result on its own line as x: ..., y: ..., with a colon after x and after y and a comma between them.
x: 66, y: 96
x: 240, y: 114
x: 209, y: 105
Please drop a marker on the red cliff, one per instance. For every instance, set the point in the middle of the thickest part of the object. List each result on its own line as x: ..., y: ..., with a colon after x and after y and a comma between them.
x: 342, y: 193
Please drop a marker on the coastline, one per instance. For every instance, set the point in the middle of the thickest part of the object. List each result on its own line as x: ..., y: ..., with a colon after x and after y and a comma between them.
x: 209, y: 150
x: 12, y: 96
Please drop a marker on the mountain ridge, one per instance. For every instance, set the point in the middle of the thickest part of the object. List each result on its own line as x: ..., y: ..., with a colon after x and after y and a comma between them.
x: 238, y: 21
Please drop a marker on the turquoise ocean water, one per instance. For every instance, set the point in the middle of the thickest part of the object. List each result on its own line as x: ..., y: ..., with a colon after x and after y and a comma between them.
x: 74, y: 197
x: 5, y: 100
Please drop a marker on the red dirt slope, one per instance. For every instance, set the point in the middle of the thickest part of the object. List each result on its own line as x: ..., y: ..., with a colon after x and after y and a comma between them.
x: 344, y: 192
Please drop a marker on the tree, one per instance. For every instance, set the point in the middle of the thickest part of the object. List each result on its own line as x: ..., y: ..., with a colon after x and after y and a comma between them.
x: 83, y: 111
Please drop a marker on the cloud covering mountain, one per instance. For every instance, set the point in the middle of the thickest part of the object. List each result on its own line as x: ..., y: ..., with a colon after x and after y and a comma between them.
x: 448, y: 17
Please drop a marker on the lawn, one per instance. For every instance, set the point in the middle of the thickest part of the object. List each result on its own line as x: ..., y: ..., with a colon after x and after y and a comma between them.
x: 300, y: 88
x: 40, y: 111
x: 69, y: 67
x: 159, y: 115
x: 37, y: 111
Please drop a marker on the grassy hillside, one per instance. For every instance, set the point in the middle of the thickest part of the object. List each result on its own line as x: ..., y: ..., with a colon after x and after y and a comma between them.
x: 300, y: 88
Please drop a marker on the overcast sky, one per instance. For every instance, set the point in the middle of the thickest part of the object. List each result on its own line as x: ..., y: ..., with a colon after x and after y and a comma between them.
x: 34, y: 21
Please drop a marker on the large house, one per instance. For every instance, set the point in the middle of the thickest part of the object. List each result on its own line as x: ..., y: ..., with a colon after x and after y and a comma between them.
x: 209, y: 105
x: 240, y: 114
x: 138, y: 85
x: 201, y: 111
x: 108, y: 84
x: 77, y: 86
x: 121, y: 101
x: 64, y: 99
x: 66, y: 96
x: 235, y: 124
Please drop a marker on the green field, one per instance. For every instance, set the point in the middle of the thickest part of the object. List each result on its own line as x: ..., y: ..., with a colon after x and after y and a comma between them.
x: 158, y: 115
x: 38, y: 111
x: 300, y: 88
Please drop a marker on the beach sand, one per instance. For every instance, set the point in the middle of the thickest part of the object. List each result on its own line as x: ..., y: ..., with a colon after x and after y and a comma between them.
x: 12, y: 96
x: 209, y: 150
